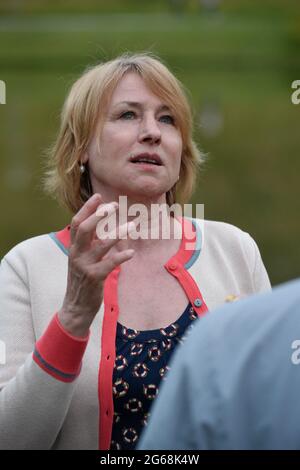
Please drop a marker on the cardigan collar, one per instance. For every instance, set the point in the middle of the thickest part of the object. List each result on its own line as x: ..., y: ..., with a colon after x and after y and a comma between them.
x: 186, y: 255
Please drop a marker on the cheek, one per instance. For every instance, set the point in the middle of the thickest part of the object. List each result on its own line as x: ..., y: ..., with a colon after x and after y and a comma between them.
x: 177, y: 145
x: 112, y: 141
x: 178, y: 148
x: 119, y: 134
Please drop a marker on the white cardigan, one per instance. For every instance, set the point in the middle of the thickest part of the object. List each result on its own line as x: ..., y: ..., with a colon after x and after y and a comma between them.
x: 55, y: 389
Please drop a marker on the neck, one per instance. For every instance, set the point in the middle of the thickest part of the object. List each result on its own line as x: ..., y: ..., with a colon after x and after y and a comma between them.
x: 155, y: 227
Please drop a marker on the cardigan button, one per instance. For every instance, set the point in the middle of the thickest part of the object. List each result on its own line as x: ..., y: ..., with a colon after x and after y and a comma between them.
x: 198, y: 302
x: 172, y: 266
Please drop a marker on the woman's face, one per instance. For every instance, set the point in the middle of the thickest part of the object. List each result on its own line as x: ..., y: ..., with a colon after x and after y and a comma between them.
x: 137, y: 124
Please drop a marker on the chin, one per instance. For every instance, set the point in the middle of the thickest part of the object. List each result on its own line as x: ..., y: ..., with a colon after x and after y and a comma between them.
x: 146, y: 192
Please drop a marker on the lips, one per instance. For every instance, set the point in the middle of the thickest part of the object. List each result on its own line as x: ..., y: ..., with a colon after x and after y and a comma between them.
x: 151, y: 159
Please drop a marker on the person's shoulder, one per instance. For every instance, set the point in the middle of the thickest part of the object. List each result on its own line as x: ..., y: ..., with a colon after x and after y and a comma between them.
x: 239, y: 320
x: 273, y: 303
x: 224, y: 234
x: 219, y: 228
x: 31, y: 248
x: 254, y: 321
x: 246, y: 350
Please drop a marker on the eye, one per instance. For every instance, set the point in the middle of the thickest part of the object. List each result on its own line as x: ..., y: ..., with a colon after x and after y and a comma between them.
x: 127, y: 115
x: 166, y: 118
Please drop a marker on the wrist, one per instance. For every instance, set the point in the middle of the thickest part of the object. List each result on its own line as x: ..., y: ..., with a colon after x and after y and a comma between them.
x: 74, y: 326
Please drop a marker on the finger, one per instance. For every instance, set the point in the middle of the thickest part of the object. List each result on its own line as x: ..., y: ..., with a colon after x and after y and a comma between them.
x: 86, y: 210
x: 105, y: 211
x: 110, y: 263
x: 86, y: 231
x: 115, y: 232
x: 101, y: 247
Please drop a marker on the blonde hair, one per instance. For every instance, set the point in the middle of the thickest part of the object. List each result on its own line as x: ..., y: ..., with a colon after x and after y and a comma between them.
x: 82, y: 112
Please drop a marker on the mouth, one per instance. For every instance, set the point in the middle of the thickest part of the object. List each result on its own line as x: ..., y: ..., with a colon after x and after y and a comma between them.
x: 147, y: 159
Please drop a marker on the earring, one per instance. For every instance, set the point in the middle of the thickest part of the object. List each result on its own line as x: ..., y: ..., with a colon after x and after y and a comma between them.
x: 82, y: 168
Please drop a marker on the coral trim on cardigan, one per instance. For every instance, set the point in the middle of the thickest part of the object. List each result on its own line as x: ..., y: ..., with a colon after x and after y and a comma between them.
x: 59, y: 353
x: 178, y: 266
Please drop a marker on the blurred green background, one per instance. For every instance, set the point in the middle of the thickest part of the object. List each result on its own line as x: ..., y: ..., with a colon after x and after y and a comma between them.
x: 238, y: 60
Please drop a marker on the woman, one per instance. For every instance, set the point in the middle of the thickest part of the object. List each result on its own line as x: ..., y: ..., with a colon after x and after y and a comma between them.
x: 90, y: 324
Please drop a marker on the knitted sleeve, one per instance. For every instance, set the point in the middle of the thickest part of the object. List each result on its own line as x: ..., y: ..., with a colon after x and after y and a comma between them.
x: 37, y: 378
x: 260, y: 278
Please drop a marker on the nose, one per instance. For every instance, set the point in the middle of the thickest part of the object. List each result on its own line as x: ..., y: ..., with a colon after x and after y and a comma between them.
x: 149, y: 131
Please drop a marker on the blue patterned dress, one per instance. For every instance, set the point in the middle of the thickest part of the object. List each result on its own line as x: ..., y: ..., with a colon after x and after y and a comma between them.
x: 142, y: 359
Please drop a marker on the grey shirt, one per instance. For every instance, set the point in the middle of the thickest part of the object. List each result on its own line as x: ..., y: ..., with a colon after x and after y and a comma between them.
x: 235, y: 384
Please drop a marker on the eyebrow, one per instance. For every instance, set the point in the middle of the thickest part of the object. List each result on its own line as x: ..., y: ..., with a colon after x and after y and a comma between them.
x: 136, y: 104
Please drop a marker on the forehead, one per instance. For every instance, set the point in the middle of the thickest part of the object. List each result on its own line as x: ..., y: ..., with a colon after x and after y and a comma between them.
x: 132, y: 87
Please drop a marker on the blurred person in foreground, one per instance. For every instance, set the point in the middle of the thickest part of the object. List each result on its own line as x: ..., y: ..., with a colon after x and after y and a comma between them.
x: 90, y: 321
x: 235, y: 382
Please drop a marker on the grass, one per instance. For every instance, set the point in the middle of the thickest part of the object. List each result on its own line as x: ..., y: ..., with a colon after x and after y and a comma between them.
x: 241, y: 66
